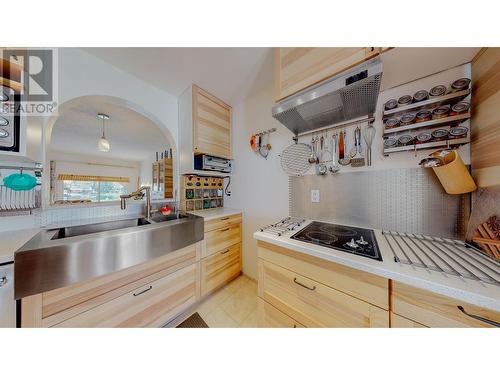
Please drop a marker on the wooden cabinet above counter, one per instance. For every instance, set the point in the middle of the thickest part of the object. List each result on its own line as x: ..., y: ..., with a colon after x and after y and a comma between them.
x: 300, y: 68
x: 205, y: 126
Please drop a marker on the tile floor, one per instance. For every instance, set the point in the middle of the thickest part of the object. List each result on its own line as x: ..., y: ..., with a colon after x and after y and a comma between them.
x: 233, y: 306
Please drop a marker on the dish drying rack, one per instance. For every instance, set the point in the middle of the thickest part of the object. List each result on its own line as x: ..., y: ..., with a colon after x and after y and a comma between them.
x: 21, y: 202
x: 452, y: 257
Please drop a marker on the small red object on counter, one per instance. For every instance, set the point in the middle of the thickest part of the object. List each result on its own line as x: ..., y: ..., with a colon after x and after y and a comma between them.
x: 166, y: 210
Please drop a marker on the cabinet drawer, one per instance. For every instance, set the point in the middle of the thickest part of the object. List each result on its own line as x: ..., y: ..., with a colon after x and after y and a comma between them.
x: 74, y: 299
x: 362, y: 285
x: 270, y: 317
x: 220, y: 239
x: 151, y: 305
x: 435, y: 310
x: 401, y: 322
x: 218, y: 269
x: 314, y: 304
x: 222, y: 222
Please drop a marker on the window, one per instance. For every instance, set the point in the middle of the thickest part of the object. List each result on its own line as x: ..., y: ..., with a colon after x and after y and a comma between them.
x: 92, y: 188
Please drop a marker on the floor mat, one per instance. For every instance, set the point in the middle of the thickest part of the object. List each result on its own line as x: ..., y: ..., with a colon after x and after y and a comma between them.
x: 194, y: 321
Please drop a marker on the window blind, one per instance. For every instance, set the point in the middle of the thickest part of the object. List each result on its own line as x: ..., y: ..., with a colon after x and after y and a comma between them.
x: 78, y: 177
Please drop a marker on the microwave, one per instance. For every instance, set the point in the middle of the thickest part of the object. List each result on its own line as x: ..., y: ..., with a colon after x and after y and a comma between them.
x: 212, y: 163
x: 10, y: 122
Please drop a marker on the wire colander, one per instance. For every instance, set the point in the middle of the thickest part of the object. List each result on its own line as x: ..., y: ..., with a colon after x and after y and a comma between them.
x: 295, y: 159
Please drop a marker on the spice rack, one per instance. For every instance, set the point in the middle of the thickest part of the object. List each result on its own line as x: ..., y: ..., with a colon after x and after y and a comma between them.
x: 444, y: 122
x: 201, y: 192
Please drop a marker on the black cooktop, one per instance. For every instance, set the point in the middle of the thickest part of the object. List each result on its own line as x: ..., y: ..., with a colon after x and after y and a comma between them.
x: 359, y: 241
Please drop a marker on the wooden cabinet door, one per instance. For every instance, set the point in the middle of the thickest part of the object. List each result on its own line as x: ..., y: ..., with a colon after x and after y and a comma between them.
x: 314, y: 304
x: 401, y: 322
x: 151, y: 305
x: 220, y: 268
x: 299, y: 68
x: 435, y: 310
x: 270, y: 317
x: 221, y: 239
x: 211, y: 125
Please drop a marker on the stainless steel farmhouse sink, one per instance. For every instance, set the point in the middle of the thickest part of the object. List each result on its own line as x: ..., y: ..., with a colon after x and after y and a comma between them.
x: 58, y: 257
x: 80, y: 230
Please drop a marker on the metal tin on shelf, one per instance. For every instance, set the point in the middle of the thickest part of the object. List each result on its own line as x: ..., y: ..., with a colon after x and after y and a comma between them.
x: 438, y: 90
x: 405, y: 139
x: 390, y: 104
x: 391, y: 122
x: 440, y: 134
x: 441, y: 112
x: 424, y: 115
x: 458, y: 132
x: 459, y: 108
x: 390, y: 142
x: 424, y: 137
x: 407, y: 119
x: 420, y: 96
x: 460, y: 84
x: 405, y: 100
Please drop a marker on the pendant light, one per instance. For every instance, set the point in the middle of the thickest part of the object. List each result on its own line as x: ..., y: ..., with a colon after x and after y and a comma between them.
x: 103, y: 143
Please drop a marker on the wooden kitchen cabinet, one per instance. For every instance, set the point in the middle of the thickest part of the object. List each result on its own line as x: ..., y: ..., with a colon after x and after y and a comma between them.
x: 270, y: 317
x: 221, y: 252
x: 145, y: 295
x: 220, y: 268
x: 211, y: 125
x: 313, y: 304
x: 435, y: 310
x: 151, y: 305
x: 401, y: 322
x: 300, y: 68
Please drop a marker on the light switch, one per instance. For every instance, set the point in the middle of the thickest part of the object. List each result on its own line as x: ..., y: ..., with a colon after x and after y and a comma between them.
x: 315, y: 196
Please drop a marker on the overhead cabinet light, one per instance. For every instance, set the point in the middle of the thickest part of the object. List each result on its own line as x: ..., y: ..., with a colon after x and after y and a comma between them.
x: 347, y: 96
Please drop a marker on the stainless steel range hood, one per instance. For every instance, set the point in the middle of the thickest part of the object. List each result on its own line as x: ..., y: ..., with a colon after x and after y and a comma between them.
x: 350, y: 95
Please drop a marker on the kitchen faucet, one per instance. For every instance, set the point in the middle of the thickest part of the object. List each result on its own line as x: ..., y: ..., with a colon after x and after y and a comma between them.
x: 139, y: 193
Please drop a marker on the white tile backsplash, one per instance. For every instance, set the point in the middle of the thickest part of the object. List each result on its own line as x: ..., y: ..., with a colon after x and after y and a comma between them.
x: 55, y: 215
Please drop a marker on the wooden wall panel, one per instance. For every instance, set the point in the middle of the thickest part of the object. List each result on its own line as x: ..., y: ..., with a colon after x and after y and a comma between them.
x: 485, y: 121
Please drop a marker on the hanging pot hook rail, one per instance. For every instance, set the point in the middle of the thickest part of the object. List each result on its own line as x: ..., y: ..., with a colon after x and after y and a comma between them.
x: 268, y: 131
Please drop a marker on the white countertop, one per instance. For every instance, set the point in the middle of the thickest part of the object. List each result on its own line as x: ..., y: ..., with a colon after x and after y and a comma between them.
x: 474, y: 292
x: 11, y: 241
x: 215, y: 213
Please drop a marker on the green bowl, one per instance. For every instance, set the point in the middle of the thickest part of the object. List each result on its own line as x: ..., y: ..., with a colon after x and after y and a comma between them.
x: 20, y: 181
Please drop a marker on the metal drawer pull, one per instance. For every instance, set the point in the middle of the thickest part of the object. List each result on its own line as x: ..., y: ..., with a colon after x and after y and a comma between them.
x: 302, y: 285
x: 477, y: 317
x: 223, y: 230
x: 143, y: 291
x: 225, y: 251
x: 225, y: 218
x: 3, y: 280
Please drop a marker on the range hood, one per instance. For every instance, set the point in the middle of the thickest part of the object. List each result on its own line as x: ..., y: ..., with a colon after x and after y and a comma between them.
x: 347, y: 96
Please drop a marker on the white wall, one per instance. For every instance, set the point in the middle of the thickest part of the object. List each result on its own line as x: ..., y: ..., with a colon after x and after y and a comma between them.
x: 258, y: 186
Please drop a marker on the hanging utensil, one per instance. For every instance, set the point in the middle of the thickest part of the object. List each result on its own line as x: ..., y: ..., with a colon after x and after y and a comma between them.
x: 346, y: 159
x: 369, y: 135
x: 316, y: 142
x: 334, y: 168
x: 357, y: 160
x: 295, y: 158
x: 341, y: 145
x: 312, y: 158
x: 264, y: 150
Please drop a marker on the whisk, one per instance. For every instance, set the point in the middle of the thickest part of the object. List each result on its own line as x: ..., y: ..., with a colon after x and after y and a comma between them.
x: 368, y: 136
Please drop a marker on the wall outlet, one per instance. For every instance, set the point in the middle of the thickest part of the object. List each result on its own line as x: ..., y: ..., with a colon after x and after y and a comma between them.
x: 315, y: 196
